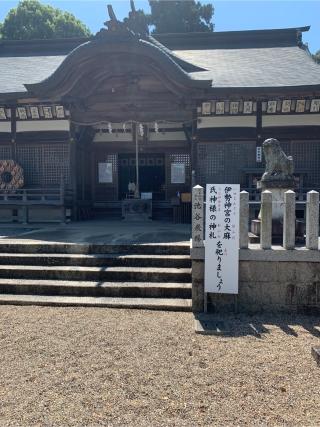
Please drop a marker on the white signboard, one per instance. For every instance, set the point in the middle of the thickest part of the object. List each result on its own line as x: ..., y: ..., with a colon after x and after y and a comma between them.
x: 178, y: 173
x: 146, y: 196
x: 222, y: 238
x: 105, y: 173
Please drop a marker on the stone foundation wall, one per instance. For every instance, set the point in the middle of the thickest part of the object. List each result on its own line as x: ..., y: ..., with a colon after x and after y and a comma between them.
x: 269, y: 281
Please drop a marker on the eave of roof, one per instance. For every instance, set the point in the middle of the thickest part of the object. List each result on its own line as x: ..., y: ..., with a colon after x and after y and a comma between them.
x: 233, y: 39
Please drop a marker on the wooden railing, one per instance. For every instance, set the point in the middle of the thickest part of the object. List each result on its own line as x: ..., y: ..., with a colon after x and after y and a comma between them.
x: 22, y: 200
x: 35, y: 196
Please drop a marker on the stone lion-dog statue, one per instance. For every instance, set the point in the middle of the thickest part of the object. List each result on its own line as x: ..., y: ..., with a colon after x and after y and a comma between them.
x: 279, y: 166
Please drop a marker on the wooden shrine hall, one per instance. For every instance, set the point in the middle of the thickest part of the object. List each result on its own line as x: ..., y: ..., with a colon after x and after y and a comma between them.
x: 124, y: 123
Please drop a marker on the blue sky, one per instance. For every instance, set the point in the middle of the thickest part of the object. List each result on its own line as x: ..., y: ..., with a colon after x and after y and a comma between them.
x: 229, y: 14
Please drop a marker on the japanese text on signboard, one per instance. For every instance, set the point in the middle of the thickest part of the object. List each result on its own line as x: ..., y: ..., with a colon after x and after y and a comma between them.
x: 222, y: 238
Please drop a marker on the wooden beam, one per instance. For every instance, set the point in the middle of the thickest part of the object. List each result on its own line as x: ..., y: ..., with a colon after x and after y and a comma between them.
x: 13, y: 133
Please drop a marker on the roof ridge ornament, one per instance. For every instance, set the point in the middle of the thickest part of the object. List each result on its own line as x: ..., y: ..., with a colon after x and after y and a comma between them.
x: 131, y: 27
x: 133, y: 8
x: 116, y: 30
x: 113, y: 24
x: 137, y: 24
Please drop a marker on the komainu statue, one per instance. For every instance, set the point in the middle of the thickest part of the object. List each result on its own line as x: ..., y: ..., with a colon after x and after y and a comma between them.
x: 279, y: 166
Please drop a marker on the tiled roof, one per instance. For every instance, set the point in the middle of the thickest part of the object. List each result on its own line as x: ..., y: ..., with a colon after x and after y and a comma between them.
x: 234, y: 59
x: 262, y: 67
x: 17, y: 70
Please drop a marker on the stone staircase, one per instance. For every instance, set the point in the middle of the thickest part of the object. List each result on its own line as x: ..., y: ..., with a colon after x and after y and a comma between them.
x: 150, y: 276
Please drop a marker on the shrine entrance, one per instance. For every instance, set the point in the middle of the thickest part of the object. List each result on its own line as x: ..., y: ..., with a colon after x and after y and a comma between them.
x: 132, y: 106
x: 151, y: 175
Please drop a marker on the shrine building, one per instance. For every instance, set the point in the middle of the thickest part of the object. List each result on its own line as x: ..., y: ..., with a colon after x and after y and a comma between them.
x: 88, y: 124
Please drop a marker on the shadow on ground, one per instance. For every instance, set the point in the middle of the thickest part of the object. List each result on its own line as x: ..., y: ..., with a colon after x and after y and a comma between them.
x: 255, y: 325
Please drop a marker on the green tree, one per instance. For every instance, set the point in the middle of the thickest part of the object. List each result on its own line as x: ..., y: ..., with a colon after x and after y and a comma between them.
x: 34, y: 20
x: 316, y: 57
x: 169, y: 16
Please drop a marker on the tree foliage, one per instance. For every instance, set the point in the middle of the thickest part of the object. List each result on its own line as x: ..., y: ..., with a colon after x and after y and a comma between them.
x: 34, y: 20
x: 169, y: 16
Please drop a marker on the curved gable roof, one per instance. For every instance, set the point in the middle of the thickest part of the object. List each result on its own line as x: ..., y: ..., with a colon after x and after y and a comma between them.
x: 106, y: 43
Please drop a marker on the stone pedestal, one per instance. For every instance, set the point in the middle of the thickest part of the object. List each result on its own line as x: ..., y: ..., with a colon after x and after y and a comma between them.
x: 278, y: 189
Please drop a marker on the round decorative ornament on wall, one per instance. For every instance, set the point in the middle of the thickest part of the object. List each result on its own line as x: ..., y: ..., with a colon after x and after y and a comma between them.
x: 11, y: 175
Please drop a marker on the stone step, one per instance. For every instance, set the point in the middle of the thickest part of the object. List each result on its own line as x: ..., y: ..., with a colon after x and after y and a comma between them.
x: 114, y: 274
x: 70, y: 248
x: 95, y: 289
x: 173, y: 304
x: 96, y: 260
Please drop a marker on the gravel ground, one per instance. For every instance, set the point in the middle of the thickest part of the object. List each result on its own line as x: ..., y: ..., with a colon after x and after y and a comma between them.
x: 92, y: 367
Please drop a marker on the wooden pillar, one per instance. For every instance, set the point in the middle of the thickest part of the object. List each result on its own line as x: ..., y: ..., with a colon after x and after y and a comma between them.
x: 73, y: 173
x: 194, y: 154
x: 259, y: 127
x: 192, y: 140
x: 13, y: 132
x: 136, y: 142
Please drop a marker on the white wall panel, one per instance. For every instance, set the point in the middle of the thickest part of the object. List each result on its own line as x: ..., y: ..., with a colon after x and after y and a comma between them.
x: 5, y: 127
x: 291, y: 120
x: 227, y: 122
x: 43, y: 125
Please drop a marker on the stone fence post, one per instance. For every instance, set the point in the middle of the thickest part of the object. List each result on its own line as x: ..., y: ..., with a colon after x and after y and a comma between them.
x: 266, y: 220
x: 312, y: 220
x: 198, y: 294
x: 289, y: 220
x: 244, y: 220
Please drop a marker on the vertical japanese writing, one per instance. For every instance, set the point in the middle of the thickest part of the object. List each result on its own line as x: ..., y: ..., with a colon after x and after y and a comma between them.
x: 213, y: 212
x: 222, y: 237
x: 197, y: 217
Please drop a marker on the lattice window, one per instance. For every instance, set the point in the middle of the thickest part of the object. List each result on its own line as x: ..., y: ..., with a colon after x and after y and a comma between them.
x: 44, y: 165
x: 306, y: 156
x: 210, y: 163
x: 5, y: 152
x: 225, y: 162
x: 30, y: 159
x: 299, y: 151
x: 55, y: 160
x: 113, y: 158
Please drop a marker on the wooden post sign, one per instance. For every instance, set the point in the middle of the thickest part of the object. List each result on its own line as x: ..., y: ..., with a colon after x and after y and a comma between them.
x: 222, y: 238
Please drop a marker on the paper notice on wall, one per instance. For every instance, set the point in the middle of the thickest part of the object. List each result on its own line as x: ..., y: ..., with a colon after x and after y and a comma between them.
x: 178, y: 173
x: 105, y: 173
x: 222, y: 238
